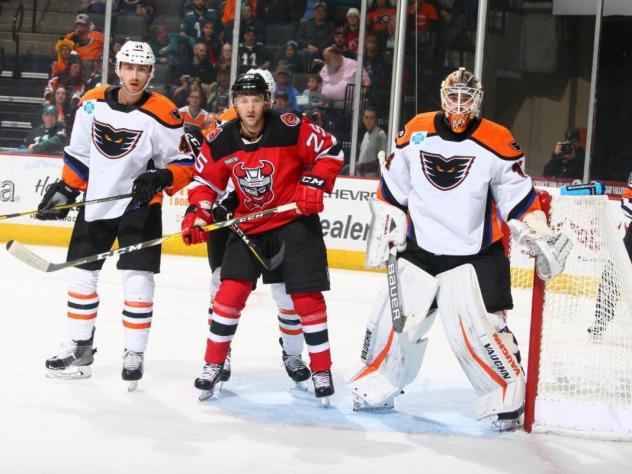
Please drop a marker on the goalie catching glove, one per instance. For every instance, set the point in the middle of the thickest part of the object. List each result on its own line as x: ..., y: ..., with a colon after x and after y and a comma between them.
x: 550, y: 250
x: 57, y: 194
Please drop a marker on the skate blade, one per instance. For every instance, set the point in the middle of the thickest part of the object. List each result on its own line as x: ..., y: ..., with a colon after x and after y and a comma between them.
x: 70, y: 373
x: 324, y: 402
x: 132, y: 386
x: 506, y: 425
x: 206, y: 394
x: 302, y: 386
x: 220, y: 385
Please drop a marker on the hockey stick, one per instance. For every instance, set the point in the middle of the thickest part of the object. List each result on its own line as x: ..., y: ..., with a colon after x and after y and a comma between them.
x: 67, y: 206
x: 394, y: 295
x: 268, y: 264
x: 22, y: 253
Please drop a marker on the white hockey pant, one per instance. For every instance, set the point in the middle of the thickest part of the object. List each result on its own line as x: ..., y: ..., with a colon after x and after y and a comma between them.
x: 390, y: 361
x: 487, y: 355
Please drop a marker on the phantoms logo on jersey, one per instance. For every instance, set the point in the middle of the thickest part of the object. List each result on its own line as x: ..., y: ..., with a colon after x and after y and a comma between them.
x: 113, y: 142
x: 256, y: 184
x: 445, y: 173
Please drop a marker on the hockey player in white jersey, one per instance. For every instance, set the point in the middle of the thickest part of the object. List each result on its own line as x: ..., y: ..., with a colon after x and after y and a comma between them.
x: 454, y: 177
x: 124, y: 140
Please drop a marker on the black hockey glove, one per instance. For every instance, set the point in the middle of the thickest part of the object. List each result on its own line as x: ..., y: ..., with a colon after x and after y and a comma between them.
x: 57, y: 194
x: 225, y: 207
x: 150, y: 183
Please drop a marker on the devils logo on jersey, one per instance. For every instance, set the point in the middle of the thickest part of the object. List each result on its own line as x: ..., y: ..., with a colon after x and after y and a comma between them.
x: 113, y: 142
x: 256, y: 184
x: 445, y: 173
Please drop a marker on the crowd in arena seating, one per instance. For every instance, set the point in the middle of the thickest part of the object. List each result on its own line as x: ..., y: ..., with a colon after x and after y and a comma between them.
x: 309, y: 45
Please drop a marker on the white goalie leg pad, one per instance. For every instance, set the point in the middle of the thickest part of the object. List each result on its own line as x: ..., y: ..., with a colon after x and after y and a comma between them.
x: 484, y: 354
x: 390, y: 361
x: 550, y: 250
x: 388, y: 227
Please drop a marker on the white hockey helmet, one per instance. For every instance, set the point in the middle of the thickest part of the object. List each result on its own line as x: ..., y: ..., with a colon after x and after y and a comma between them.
x: 267, y: 76
x: 135, y: 52
x: 461, y: 98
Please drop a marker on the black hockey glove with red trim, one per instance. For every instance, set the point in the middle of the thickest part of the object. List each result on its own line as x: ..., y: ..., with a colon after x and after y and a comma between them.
x: 309, y: 194
x: 57, y: 194
x: 150, y: 183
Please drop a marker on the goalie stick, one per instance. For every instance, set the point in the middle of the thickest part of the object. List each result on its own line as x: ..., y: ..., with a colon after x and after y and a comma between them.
x: 67, y: 206
x: 25, y: 255
x: 394, y: 294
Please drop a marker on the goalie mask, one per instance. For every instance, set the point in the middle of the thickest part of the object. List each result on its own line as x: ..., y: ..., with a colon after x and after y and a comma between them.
x: 461, y: 99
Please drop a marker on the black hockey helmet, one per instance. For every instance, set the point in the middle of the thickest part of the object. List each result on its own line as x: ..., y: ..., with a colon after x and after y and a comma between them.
x: 250, y: 84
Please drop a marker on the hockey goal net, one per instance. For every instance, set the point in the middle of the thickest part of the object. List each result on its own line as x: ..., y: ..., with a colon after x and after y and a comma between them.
x: 579, y: 369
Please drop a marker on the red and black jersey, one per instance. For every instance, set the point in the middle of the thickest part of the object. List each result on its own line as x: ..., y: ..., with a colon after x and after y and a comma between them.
x: 266, y: 173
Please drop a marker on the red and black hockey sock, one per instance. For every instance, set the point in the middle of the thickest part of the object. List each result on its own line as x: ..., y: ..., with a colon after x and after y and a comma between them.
x: 229, y: 301
x: 312, y: 310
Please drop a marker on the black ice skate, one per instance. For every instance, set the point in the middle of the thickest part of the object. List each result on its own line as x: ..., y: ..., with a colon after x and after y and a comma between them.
x: 205, y: 383
x: 295, y: 368
x: 225, y: 377
x: 323, y: 386
x: 132, y: 368
x: 73, y: 361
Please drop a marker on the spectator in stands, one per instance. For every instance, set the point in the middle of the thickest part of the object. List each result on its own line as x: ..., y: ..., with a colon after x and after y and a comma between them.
x: 373, y: 141
x: 388, y: 45
x: 88, y: 42
x: 193, y: 113
x: 252, y: 54
x: 50, y: 137
x: 352, y: 31
x: 291, y: 59
x: 337, y: 73
x: 374, y: 62
x: 170, y: 48
x: 72, y: 79
x: 281, y: 103
x: 424, y: 17
x: 144, y: 8
x: 315, y: 98
x: 211, y: 40
x: 310, y: 10
x: 247, y: 21
x: 219, y: 90
x: 378, y: 17
x: 63, y: 48
x: 273, y: 12
x: 94, y: 79
x: 339, y: 41
x: 283, y: 84
x: 567, y: 159
x: 225, y: 55
x: 194, y: 19
x: 315, y: 34
x: 65, y: 114
x: 229, y: 10
x: 453, y: 23
x: 200, y: 65
x: 93, y: 6
x: 181, y: 93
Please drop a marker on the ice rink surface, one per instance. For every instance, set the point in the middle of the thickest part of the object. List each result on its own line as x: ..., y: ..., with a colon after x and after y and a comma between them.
x: 259, y: 422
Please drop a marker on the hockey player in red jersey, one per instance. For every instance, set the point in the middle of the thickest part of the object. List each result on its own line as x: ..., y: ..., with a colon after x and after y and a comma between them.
x: 291, y: 340
x: 271, y: 160
x: 454, y: 177
x: 124, y: 140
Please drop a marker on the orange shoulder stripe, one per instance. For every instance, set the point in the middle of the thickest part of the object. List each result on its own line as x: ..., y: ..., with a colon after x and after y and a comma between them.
x: 163, y: 109
x: 98, y: 93
x: 498, y: 139
x: 419, y: 123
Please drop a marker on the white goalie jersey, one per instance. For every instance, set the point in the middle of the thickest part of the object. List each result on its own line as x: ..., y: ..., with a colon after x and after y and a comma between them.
x: 112, y: 144
x: 457, y: 189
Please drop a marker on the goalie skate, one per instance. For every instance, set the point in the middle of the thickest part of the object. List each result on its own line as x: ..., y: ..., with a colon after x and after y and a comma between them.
x: 360, y: 404
x: 132, y: 372
x: 205, y: 383
x: 508, y: 421
x: 73, y: 361
x: 323, y: 386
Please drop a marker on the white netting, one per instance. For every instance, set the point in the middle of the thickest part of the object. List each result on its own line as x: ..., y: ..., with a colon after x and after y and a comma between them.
x: 585, y: 376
